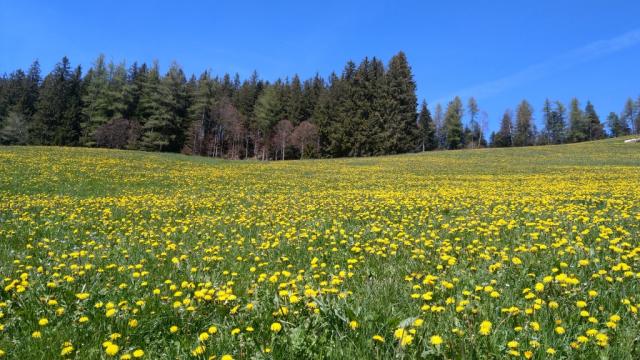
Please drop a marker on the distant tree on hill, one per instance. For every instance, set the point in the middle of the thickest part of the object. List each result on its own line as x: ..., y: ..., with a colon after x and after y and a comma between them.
x: 453, y: 124
x: 617, y: 125
x: 524, y: 134
x: 368, y: 109
x: 595, y: 129
x: 504, y: 136
x: 627, y: 117
x: 555, y: 123
x: 426, y: 128
x: 578, y: 127
x: 475, y: 130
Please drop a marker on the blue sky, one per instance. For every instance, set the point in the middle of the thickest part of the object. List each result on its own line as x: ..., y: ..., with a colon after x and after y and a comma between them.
x: 500, y: 51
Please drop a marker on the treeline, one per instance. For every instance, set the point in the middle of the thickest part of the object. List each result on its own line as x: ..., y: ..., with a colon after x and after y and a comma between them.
x: 564, y: 126
x: 367, y: 109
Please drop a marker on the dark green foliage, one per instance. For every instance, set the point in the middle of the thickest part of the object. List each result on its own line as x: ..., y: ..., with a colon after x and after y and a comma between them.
x: 58, y: 110
x: 504, y: 137
x: 555, y: 123
x: 369, y: 109
x: 426, y: 128
x: 591, y: 119
x: 578, y: 125
x: 524, y: 134
x: 617, y: 125
x: 453, y: 124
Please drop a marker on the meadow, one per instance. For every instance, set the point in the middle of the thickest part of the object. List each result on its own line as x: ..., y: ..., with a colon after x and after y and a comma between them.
x: 493, y: 253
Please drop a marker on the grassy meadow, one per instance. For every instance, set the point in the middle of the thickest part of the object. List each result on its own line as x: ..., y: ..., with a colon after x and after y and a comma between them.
x: 496, y: 253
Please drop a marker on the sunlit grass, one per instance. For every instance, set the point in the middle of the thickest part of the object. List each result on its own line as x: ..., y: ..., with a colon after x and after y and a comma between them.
x: 528, y: 252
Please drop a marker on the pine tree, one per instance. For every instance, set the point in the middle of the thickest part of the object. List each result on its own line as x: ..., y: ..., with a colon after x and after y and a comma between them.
x: 54, y: 105
x: 555, y: 124
x: 96, y: 101
x: 426, y: 128
x: 578, y: 127
x: 617, y: 125
x: 524, y: 133
x: 72, y: 118
x: 474, y: 127
x: 401, y: 130
x: 157, y: 121
x: 595, y: 129
x: 267, y: 113
x: 504, y: 137
x: 453, y: 124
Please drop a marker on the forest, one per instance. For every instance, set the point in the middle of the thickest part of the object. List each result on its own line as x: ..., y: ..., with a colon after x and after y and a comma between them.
x: 367, y: 109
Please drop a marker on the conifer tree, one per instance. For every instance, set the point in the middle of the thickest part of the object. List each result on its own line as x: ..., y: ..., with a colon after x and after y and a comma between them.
x: 523, y: 134
x: 426, y: 128
x: 400, y: 118
x: 504, y: 137
x: 54, y: 105
x: 453, y: 124
x: 578, y: 128
x: 595, y: 129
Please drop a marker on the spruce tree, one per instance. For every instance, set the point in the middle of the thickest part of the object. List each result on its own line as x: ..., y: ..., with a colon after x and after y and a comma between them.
x: 595, y: 129
x: 53, y: 105
x: 401, y: 130
x: 504, y: 137
x: 96, y: 101
x: 157, y: 121
x: 617, y: 125
x: 453, y: 124
x: 426, y: 128
x: 524, y: 133
x: 578, y: 127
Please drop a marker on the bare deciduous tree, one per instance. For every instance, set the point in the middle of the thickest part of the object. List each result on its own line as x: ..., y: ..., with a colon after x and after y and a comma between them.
x: 305, y: 137
x: 282, y: 133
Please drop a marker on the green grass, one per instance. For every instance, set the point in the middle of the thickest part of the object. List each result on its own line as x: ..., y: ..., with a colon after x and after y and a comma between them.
x: 360, y: 235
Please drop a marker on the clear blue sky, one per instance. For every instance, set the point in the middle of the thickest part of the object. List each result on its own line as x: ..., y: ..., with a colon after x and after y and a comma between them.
x: 499, y: 51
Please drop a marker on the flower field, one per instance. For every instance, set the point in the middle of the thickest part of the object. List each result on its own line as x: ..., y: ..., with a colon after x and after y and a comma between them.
x: 498, y: 253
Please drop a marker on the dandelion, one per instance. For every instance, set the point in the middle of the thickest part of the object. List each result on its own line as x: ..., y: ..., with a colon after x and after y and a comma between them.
x: 485, y: 328
x: 198, y: 350
x: 276, y: 327
x: 43, y: 322
x: 138, y: 353
x: 353, y: 324
x: 111, y: 349
x: 378, y: 338
x: 435, y: 340
x: 82, y: 296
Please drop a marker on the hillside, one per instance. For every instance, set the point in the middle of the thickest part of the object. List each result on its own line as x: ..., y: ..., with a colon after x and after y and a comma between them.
x: 522, y: 251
